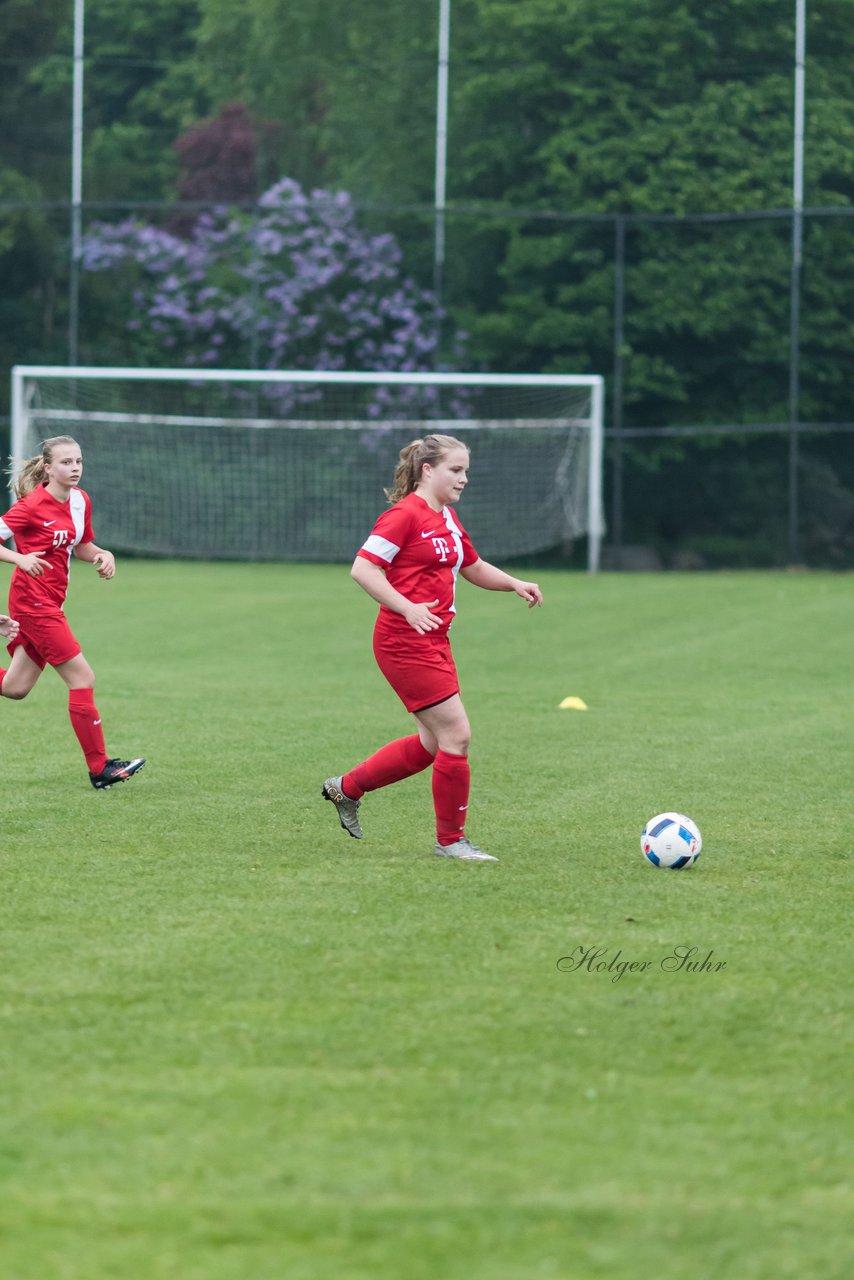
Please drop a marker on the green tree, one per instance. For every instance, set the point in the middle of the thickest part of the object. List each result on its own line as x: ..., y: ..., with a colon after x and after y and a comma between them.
x: 33, y: 169
x: 571, y: 109
x: 142, y: 87
x: 351, y: 83
x: 605, y: 107
x: 33, y: 143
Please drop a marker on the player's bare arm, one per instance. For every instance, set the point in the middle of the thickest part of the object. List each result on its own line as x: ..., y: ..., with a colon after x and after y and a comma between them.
x: 8, y: 626
x: 371, y: 578
x: 491, y: 578
x: 104, y: 561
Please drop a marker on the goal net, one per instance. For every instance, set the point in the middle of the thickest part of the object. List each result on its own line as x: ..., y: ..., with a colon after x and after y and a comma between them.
x: 292, y: 465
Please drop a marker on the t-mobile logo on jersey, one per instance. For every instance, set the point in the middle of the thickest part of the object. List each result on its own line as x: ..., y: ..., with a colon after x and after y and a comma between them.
x: 442, y: 548
x: 60, y: 537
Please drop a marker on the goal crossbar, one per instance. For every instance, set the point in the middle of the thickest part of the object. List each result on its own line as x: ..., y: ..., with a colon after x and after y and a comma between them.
x: 136, y: 374
x: 444, y: 425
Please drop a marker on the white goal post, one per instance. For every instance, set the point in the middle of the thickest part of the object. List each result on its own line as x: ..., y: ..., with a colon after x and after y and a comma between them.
x: 255, y: 464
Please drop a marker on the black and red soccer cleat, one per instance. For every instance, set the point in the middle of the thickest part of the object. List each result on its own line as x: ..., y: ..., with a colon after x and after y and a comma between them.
x: 115, y: 771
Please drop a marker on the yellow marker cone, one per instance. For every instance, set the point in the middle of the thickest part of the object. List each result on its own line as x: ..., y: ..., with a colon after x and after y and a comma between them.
x: 573, y: 704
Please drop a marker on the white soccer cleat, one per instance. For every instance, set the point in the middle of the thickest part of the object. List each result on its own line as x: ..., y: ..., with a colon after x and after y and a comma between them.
x: 348, y: 810
x: 464, y: 850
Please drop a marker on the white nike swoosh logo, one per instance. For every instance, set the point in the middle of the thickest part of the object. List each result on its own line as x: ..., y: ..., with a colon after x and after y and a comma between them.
x: 428, y: 535
x: 48, y: 523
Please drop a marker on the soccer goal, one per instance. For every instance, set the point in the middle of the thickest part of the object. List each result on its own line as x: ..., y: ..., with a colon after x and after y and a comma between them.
x: 291, y: 465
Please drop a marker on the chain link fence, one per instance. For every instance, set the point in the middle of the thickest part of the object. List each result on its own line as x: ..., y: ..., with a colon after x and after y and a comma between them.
x: 728, y: 426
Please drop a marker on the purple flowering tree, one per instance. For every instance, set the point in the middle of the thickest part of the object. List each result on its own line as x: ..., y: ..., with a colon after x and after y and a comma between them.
x: 295, y: 284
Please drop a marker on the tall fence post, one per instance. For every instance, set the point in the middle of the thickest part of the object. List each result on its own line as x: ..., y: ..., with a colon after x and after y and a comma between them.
x: 617, y: 386
x: 795, y: 305
x: 76, y: 185
x: 441, y: 147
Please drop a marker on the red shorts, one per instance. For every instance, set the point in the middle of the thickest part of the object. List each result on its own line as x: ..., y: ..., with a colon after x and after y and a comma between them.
x: 46, y: 638
x: 420, y: 670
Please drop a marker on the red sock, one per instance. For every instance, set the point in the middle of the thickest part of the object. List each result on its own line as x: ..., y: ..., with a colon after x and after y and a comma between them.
x: 86, y: 723
x: 451, y: 780
x: 393, y: 762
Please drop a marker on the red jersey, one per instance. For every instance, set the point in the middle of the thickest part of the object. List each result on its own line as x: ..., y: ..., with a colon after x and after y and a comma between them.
x: 422, y: 551
x: 40, y: 523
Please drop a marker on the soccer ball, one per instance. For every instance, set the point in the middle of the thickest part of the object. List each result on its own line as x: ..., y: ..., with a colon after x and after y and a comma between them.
x: 671, y: 840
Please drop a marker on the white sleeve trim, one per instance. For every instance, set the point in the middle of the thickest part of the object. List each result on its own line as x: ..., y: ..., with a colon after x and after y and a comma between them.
x: 381, y: 547
x: 5, y: 532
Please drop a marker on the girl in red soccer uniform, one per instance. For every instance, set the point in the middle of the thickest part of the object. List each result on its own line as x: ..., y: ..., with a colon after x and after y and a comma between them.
x: 52, y: 520
x: 409, y: 565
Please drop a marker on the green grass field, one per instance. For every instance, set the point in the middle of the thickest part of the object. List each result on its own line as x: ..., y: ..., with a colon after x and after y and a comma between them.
x: 237, y: 1045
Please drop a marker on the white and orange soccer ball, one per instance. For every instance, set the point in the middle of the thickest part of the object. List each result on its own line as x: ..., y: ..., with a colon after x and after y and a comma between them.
x: 671, y: 840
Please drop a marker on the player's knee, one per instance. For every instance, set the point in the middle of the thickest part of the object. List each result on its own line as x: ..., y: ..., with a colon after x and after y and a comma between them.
x: 458, y: 742
x: 13, y: 692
